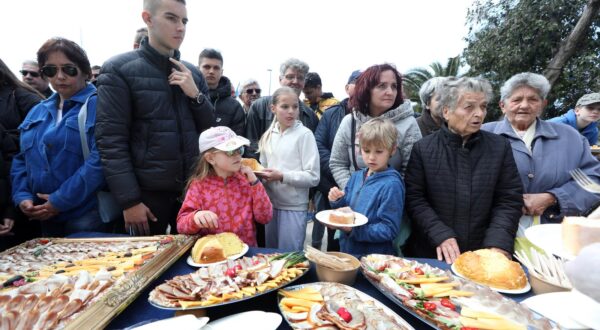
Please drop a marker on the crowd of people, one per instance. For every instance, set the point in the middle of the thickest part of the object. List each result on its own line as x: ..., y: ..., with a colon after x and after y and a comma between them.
x: 167, y: 139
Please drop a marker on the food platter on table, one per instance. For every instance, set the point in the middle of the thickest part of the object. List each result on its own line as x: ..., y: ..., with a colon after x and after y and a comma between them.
x: 325, y: 304
x: 445, y: 301
x: 191, y: 262
x: 508, y: 291
x: 80, y: 283
x: 548, y: 237
x: 230, y: 282
x: 359, y: 219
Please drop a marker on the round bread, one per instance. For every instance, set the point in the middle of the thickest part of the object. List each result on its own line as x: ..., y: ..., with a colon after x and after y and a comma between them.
x: 491, y: 268
x: 253, y: 164
x: 231, y: 243
x: 207, y: 250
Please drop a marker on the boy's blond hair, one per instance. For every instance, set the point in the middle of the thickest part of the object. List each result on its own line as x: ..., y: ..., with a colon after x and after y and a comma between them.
x: 378, y: 132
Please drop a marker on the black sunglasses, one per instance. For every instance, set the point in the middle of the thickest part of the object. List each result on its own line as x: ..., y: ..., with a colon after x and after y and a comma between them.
x: 253, y: 90
x: 52, y: 70
x: 34, y: 74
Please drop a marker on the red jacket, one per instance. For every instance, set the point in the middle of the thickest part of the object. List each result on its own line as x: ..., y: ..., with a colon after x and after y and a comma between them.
x: 233, y: 200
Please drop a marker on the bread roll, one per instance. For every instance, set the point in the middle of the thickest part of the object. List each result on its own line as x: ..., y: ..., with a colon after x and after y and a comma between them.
x: 253, y: 164
x: 344, y: 216
x: 578, y: 232
x: 491, y: 268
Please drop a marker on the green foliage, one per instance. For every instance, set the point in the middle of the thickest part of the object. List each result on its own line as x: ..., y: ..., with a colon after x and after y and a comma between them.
x: 507, y: 37
x: 415, y: 78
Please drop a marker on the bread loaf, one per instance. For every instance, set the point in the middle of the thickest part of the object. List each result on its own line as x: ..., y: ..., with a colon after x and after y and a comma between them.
x: 253, y: 164
x: 491, y: 268
x: 215, y: 248
x: 344, y: 216
x: 578, y: 232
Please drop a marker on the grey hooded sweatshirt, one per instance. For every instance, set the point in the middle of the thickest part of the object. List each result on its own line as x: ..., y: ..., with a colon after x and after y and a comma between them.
x: 341, y: 164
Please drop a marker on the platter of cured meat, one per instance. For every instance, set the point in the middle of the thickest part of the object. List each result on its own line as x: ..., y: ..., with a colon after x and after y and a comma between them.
x: 230, y: 282
x: 444, y: 301
x: 79, y: 283
x: 325, y: 305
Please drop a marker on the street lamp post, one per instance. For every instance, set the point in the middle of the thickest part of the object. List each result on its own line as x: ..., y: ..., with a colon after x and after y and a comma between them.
x: 270, y: 74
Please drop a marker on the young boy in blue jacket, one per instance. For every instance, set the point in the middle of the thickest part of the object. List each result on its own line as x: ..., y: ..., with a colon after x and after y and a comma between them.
x: 376, y: 191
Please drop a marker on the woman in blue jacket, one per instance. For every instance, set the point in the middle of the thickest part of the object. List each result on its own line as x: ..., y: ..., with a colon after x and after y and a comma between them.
x: 52, y: 181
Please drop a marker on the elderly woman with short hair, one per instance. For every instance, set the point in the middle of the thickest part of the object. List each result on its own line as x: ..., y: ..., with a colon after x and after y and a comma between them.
x: 431, y: 116
x: 462, y: 187
x: 545, y: 153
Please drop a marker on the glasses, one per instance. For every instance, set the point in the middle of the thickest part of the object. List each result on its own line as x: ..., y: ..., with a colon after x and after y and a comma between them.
x: 291, y: 77
x: 34, y: 74
x: 230, y: 153
x: 253, y: 91
x: 52, y: 70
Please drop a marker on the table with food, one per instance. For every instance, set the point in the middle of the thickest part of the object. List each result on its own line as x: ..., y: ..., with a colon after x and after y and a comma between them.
x: 91, y: 281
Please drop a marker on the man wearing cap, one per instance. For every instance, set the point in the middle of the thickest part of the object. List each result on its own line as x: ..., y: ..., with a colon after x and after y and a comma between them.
x: 151, y: 109
x: 324, y: 135
x: 315, y: 98
x: 584, y: 118
x: 31, y: 76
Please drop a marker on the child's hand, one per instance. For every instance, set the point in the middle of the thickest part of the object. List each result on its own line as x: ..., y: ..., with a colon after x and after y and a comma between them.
x: 247, y: 172
x: 334, y: 194
x: 270, y: 175
x: 346, y: 230
x: 206, y: 220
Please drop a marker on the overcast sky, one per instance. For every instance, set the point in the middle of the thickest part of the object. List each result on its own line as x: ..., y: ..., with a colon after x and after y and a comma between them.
x: 333, y: 37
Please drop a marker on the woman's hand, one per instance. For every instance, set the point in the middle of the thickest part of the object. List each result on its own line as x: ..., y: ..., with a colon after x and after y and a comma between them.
x: 346, y: 230
x: 334, y: 194
x: 206, y: 220
x: 183, y: 78
x: 48, y: 210
x: 536, y: 204
x: 247, y: 172
x: 448, y: 250
x: 271, y: 175
x: 6, y: 227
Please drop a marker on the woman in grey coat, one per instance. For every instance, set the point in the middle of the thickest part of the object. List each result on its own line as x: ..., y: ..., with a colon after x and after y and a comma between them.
x: 378, y: 93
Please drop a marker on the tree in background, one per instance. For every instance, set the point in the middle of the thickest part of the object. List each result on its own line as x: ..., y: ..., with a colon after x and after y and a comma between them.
x: 510, y: 36
x: 415, y: 78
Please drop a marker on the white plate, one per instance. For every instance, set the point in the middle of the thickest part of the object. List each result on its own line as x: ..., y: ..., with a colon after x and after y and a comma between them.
x: 552, y: 306
x: 191, y: 262
x: 253, y: 320
x: 359, y: 219
x: 548, y: 237
x: 516, y: 291
x: 187, y: 321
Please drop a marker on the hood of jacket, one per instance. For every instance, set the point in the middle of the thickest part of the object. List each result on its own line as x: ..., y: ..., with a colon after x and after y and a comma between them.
x: 403, y: 111
x: 222, y: 91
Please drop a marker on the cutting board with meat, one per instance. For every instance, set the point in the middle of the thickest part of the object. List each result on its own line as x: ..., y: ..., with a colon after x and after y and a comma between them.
x: 79, y: 283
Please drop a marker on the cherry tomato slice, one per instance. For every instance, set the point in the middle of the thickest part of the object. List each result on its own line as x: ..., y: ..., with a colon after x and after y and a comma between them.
x: 419, y: 271
x: 447, y: 303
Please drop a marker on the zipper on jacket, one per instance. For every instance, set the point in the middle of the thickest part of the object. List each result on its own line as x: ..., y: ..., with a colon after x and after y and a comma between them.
x: 179, y: 133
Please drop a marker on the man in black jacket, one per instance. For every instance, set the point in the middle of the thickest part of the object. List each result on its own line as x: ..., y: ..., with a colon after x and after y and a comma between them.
x: 151, y: 110
x: 228, y: 111
x: 292, y: 74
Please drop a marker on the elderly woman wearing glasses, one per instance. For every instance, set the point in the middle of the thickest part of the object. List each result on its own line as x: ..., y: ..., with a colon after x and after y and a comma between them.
x: 462, y: 186
x: 545, y: 153
x: 52, y: 180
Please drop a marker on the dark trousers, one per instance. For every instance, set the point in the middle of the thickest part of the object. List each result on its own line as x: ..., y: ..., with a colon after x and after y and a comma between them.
x: 164, y: 206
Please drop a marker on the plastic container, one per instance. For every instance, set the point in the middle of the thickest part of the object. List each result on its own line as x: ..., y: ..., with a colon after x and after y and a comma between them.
x: 326, y: 274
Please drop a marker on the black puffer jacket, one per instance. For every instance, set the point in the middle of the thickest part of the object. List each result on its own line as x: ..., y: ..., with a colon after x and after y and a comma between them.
x: 228, y: 111
x: 147, y: 130
x: 471, y: 192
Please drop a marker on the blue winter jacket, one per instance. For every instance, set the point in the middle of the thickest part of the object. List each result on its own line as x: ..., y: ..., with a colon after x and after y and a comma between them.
x: 380, y: 197
x: 51, y: 160
x: 590, y: 132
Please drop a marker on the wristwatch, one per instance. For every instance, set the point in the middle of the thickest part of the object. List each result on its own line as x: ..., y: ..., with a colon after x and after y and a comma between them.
x: 198, y: 99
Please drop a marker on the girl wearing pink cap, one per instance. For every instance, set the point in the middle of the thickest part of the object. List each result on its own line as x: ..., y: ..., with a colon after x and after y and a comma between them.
x: 223, y: 195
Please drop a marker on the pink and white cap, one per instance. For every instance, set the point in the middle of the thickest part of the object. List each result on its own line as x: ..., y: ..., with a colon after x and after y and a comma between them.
x: 222, y: 138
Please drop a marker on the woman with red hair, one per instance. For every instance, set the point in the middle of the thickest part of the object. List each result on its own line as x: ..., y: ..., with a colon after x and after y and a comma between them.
x: 378, y: 93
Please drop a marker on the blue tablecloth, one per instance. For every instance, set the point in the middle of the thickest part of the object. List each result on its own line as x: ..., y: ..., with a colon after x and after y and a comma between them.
x: 141, y: 310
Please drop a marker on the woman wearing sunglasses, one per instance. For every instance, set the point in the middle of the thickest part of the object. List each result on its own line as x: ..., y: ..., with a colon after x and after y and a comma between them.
x: 16, y: 98
x: 52, y: 181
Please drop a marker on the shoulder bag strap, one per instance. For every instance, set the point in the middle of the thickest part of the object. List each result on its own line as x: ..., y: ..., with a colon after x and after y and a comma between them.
x: 353, y: 139
x: 81, y: 119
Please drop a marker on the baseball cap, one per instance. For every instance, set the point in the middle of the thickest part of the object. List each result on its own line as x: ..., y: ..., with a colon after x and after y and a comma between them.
x: 312, y: 79
x: 222, y: 138
x: 355, y: 74
x: 588, y: 99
